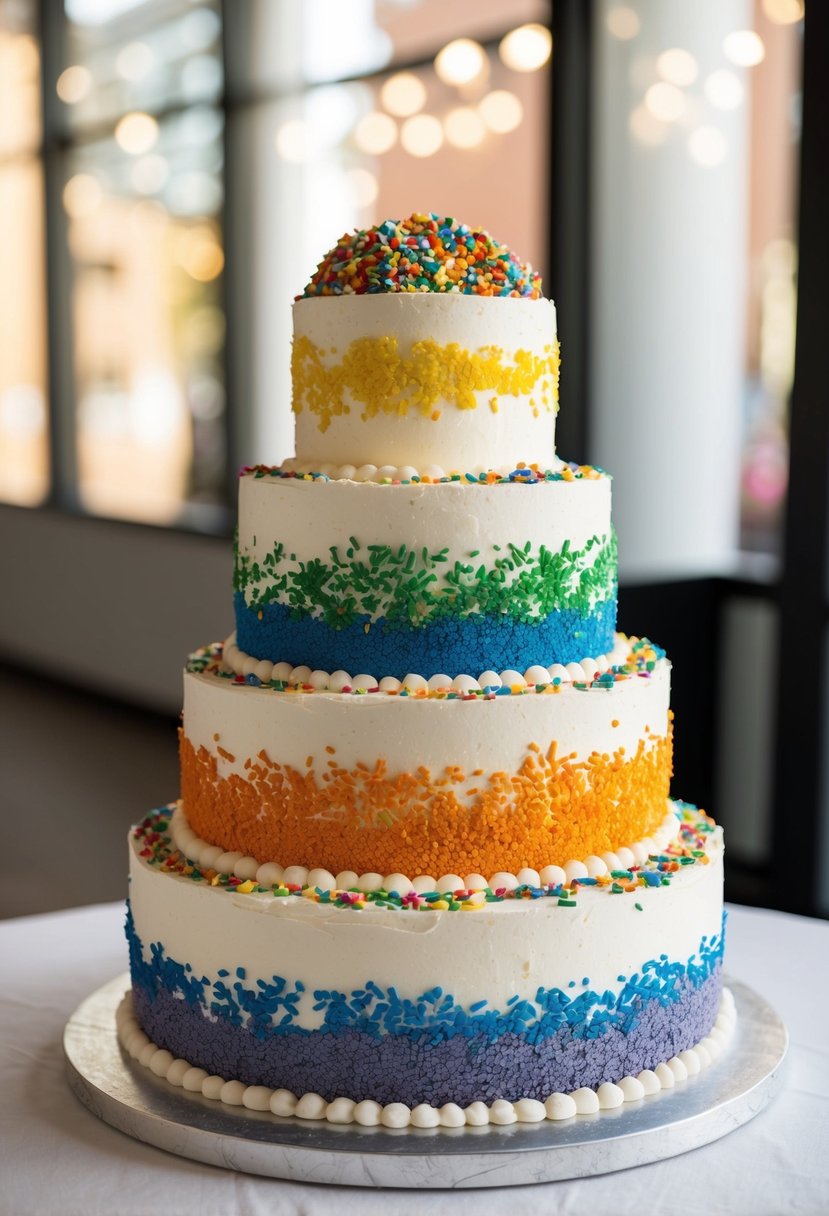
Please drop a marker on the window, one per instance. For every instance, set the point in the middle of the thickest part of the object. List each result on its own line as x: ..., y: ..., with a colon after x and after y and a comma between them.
x: 695, y: 250
x: 24, y: 451
x: 330, y: 121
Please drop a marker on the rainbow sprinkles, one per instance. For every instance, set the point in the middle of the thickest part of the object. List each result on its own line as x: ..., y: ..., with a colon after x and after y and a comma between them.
x: 425, y: 252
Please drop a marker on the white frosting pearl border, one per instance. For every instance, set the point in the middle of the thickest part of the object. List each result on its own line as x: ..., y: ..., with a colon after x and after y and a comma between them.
x: 242, y: 664
x: 213, y: 857
x: 367, y: 1113
x: 390, y: 473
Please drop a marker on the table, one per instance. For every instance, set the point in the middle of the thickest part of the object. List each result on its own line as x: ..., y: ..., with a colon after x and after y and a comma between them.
x: 55, y: 1157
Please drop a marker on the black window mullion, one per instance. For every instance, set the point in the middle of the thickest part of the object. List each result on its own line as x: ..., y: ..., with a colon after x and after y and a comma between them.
x: 569, y: 209
x: 802, y: 698
x: 61, y: 380
x: 238, y: 354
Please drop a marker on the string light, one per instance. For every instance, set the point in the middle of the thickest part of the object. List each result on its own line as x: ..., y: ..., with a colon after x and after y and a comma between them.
x: 136, y: 133
x: 527, y: 48
x: 501, y: 111
x: 784, y: 12
x: 677, y: 66
x: 375, y: 133
x: 460, y: 62
x: 744, y: 48
x: 723, y: 89
x: 707, y: 146
x: 403, y: 94
x: 622, y: 22
x: 464, y: 127
x: 73, y: 84
x: 421, y: 135
x: 665, y: 101
x: 82, y: 195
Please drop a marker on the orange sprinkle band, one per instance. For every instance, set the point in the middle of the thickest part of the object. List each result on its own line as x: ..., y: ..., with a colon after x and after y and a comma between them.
x: 366, y: 819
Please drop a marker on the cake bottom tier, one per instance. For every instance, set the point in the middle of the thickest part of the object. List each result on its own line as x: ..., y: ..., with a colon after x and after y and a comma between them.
x: 538, y: 991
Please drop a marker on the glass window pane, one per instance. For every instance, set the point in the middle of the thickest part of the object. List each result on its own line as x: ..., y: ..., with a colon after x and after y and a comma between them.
x: 419, y: 29
x: 24, y: 452
x: 147, y: 255
x: 124, y: 55
x: 774, y: 151
x: 274, y: 47
x: 20, y: 124
x: 694, y: 251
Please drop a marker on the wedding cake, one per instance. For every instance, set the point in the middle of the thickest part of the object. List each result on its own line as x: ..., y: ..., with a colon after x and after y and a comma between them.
x: 425, y: 868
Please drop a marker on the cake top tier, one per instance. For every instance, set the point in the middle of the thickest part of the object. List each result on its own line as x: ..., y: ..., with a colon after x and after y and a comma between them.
x: 422, y: 253
x: 422, y: 342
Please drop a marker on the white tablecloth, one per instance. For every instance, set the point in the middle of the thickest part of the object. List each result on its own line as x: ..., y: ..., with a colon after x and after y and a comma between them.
x: 55, y: 1157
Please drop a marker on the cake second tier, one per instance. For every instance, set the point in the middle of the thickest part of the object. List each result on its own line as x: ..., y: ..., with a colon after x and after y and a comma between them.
x: 452, y: 578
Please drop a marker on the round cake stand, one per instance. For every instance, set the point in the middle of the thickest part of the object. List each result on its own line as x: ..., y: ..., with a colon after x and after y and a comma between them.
x: 127, y: 1095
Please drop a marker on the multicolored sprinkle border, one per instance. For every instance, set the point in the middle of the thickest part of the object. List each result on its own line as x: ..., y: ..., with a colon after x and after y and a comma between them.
x: 695, y: 831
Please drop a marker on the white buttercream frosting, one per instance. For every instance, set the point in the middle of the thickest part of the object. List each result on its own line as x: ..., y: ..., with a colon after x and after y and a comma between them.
x: 519, y: 426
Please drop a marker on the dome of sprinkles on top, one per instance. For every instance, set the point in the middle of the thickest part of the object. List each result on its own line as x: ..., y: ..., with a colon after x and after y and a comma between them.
x: 422, y: 253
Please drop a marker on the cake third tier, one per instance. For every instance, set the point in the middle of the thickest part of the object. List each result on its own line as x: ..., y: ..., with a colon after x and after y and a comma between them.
x: 428, y: 781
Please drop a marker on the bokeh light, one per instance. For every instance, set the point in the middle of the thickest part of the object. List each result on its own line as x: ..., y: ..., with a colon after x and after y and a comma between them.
x: 375, y: 133
x: 82, y: 194
x: 403, y: 94
x: 460, y: 62
x: 134, y: 61
x: 724, y: 89
x: 464, y: 127
x: 784, y: 12
x: 622, y: 23
x: 501, y: 110
x: 744, y: 48
x: 677, y: 66
x: 527, y: 48
x: 707, y: 146
x: 73, y: 84
x: 421, y: 135
x: 198, y: 252
x: 136, y: 133
x: 665, y: 101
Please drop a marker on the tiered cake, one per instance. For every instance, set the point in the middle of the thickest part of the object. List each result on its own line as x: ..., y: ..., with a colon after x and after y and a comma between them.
x: 424, y: 867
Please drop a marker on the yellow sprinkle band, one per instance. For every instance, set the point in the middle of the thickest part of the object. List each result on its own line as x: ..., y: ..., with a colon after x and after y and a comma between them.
x: 374, y: 375
x: 364, y: 819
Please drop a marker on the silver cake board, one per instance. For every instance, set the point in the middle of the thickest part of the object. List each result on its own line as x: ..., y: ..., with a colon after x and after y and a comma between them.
x: 125, y: 1094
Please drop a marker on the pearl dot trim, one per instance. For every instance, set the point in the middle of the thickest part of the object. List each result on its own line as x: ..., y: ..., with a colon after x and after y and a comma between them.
x: 310, y: 1107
